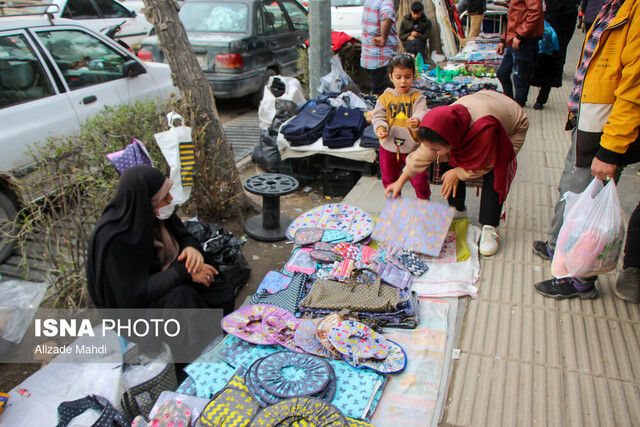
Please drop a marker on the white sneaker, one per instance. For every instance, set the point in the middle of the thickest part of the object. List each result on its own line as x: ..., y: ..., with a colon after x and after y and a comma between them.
x: 488, y: 240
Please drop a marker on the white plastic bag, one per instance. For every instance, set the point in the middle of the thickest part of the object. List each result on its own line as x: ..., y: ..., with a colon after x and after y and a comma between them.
x: 19, y: 301
x: 337, y: 80
x: 174, y: 142
x: 292, y: 92
x: 592, y: 232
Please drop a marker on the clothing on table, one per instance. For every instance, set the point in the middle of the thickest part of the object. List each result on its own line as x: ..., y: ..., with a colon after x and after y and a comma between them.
x: 344, y: 128
x: 475, y: 146
x: 605, y: 88
x: 520, y: 63
x: 391, y: 169
x: 480, y: 104
x: 373, y: 13
x: 378, y: 79
x: 632, y: 247
x: 525, y: 20
x: 307, y: 126
x: 392, y: 112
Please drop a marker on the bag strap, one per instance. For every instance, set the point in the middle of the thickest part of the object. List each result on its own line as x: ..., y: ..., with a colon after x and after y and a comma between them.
x: 353, y: 278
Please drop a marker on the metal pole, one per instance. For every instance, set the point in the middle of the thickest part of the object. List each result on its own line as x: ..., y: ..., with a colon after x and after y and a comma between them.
x: 319, y: 42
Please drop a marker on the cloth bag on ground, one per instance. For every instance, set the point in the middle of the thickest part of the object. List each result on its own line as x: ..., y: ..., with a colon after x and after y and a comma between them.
x: 592, y: 233
x: 292, y: 92
x: 177, y: 148
x: 362, y: 292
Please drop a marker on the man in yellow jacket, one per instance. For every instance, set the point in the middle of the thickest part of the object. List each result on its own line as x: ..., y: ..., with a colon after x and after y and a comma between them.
x: 604, y: 114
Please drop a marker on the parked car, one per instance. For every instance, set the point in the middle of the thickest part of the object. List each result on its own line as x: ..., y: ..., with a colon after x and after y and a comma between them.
x: 346, y: 16
x: 53, y: 76
x: 240, y: 43
x: 98, y: 15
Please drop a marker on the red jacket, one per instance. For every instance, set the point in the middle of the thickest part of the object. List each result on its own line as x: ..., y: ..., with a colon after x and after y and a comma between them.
x: 525, y: 20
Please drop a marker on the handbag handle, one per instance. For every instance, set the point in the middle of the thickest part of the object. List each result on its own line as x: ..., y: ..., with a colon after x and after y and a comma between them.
x: 353, y: 278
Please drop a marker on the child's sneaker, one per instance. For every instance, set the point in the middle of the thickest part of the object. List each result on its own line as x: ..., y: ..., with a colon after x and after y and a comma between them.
x: 488, y: 240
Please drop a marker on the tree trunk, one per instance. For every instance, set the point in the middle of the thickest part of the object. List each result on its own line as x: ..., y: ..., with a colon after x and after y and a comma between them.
x: 215, y: 165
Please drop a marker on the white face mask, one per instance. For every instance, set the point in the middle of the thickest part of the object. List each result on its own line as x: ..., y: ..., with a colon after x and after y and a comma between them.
x: 165, y: 212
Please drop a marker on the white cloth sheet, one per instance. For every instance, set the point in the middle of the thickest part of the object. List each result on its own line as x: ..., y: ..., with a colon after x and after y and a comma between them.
x: 452, y: 279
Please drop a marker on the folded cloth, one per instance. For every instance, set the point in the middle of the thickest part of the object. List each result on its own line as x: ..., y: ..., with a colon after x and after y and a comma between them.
x: 394, y: 276
x: 344, y: 128
x: 287, y: 298
x: 369, y: 139
x: 306, y: 127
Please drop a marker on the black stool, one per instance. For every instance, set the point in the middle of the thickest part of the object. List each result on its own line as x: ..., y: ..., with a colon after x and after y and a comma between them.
x: 271, y: 226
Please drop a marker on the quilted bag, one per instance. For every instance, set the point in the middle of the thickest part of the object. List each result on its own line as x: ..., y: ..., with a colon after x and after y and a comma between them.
x: 361, y: 292
x: 232, y: 406
x: 140, y: 398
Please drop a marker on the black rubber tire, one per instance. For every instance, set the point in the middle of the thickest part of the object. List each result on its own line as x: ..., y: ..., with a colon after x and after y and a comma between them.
x: 256, y: 97
x: 8, y: 211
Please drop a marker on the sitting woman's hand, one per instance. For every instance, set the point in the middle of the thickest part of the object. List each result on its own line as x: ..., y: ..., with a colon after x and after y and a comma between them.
x: 205, y: 276
x: 449, y: 183
x: 413, y: 123
x: 192, y: 258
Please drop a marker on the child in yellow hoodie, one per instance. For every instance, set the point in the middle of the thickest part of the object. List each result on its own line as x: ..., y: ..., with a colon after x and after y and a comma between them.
x: 396, y: 118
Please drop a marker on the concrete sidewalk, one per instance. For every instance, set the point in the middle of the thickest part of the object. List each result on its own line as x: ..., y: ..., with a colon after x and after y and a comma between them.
x: 526, y: 359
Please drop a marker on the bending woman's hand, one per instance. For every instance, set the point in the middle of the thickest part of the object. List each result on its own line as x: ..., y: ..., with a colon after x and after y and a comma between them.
x: 205, y: 276
x: 449, y: 183
x: 192, y: 258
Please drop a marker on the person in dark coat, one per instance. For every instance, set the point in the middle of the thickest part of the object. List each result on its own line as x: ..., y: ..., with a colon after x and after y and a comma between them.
x: 136, y: 260
x: 415, y: 29
x: 562, y: 16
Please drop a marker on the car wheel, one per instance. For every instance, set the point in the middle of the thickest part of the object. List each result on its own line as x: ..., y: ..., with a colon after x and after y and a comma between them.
x: 8, y: 211
x: 256, y: 97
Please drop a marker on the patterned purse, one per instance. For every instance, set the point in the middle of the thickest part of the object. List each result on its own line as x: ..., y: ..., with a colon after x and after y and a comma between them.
x: 140, y: 398
x: 361, y: 292
x: 232, y: 406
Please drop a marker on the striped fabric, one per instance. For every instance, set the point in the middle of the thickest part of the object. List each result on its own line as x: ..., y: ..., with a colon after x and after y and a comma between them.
x: 373, y: 12
x: 605, y: 17
x: 187, y: 163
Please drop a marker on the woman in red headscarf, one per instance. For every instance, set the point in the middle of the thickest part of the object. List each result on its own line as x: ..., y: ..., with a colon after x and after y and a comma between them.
x: 478, y: 135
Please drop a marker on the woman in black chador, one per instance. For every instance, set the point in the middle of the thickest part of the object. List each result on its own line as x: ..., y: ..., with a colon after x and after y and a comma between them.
x: 139, y: 259
x: 562, y: 15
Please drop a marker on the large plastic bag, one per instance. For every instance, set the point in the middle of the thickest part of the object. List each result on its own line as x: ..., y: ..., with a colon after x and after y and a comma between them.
x: 266, y: 153
x: 292, y: 92
x: 591, y: 236
x: 223, y: 251
x: 337, y: 80
x: 177, y: 148
x: 549, y: 44
x: 19, y: 301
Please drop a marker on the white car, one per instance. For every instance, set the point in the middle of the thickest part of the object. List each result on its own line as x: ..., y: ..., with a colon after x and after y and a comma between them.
x: 346, y: 16
x: 100, y: 15
x: 53, y: 76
